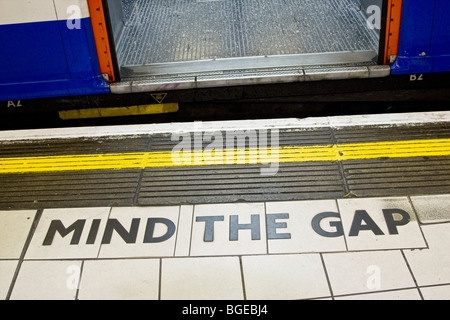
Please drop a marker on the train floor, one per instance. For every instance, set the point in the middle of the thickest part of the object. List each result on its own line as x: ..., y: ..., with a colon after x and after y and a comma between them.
x: 167, y: 36
x: 353, y: 207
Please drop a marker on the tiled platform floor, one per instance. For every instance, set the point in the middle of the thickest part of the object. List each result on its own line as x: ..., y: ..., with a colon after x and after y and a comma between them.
x: 231, y: 251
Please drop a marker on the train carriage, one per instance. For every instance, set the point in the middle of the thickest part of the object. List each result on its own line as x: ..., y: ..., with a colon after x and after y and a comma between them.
x: 176, y: 50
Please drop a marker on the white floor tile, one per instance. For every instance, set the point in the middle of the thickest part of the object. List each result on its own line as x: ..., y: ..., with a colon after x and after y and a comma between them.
x: 47, y: 280
x: 432, y: 209
x: 183, y: 244
x: 409, y: 294
x: 14, y: 229
x: 303, y: 238
x: 64, y: 233
x: 158, y: 246
x: 371, y: 271
x: 284, y: 277
x: 217, y: 219
x: 191, y: 252
x: 366, y: 227
x: 436, y: 293
x: 7, y: 270
x: 133, y: 279
x: 432, y: 266
x: 212, y: 278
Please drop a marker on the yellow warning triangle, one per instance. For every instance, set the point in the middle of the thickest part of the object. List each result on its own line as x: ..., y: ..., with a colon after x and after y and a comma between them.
x: 159, y: 97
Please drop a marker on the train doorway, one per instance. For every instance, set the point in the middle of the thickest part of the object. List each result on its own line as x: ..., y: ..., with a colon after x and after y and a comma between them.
x: 172, y: 38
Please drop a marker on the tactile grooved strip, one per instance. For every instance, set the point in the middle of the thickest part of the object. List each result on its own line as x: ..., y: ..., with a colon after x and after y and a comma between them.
x: 240, y: 183
x: 62, y: 147
x: 285, y: 138
x: 78, y: 189
x: 392, y: 177
x: 392, y: 133
x: 396, y: 176
x: 365, y: 177
x: 70, y: 189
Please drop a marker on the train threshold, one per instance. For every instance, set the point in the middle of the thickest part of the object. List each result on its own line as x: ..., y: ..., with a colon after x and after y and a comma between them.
x: 321, y: 208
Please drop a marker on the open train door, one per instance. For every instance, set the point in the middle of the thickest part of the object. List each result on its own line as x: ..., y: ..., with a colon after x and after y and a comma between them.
x: 188, y: 44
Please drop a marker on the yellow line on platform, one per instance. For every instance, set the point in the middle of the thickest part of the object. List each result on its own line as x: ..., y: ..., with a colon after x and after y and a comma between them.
x: 141, y: 160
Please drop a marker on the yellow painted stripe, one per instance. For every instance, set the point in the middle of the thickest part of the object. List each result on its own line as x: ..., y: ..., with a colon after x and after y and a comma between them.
x: 119, y: 112
x: 118, y: 161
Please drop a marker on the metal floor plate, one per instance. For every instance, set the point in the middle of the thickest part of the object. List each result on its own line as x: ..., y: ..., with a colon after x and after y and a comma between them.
x: 162, y: 31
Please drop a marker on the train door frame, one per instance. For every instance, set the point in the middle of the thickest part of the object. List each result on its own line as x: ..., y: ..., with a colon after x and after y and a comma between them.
x: 106, y: 45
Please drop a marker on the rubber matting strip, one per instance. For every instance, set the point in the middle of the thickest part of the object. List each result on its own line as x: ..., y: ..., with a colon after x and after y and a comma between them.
x: 241, y: 183
x: 285, y: 138
x: 397, y: 177
x: 80, y: 189
x: 60, y: 147
x: 166, y: 142
x: 391, y: 133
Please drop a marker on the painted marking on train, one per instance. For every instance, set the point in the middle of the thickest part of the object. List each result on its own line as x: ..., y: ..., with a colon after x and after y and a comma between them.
x: 213, y: 156
x: 119, y: 111
x: 159, y: 97
x: 415, y: 77
x: 14, y: 104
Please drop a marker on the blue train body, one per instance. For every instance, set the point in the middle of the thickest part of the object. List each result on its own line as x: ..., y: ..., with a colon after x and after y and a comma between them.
x: 41, y: 59
x: 45, y: 58
x: 424, y: 45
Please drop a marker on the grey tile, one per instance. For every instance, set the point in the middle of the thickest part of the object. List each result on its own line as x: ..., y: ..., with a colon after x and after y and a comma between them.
x: 432, y: 209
